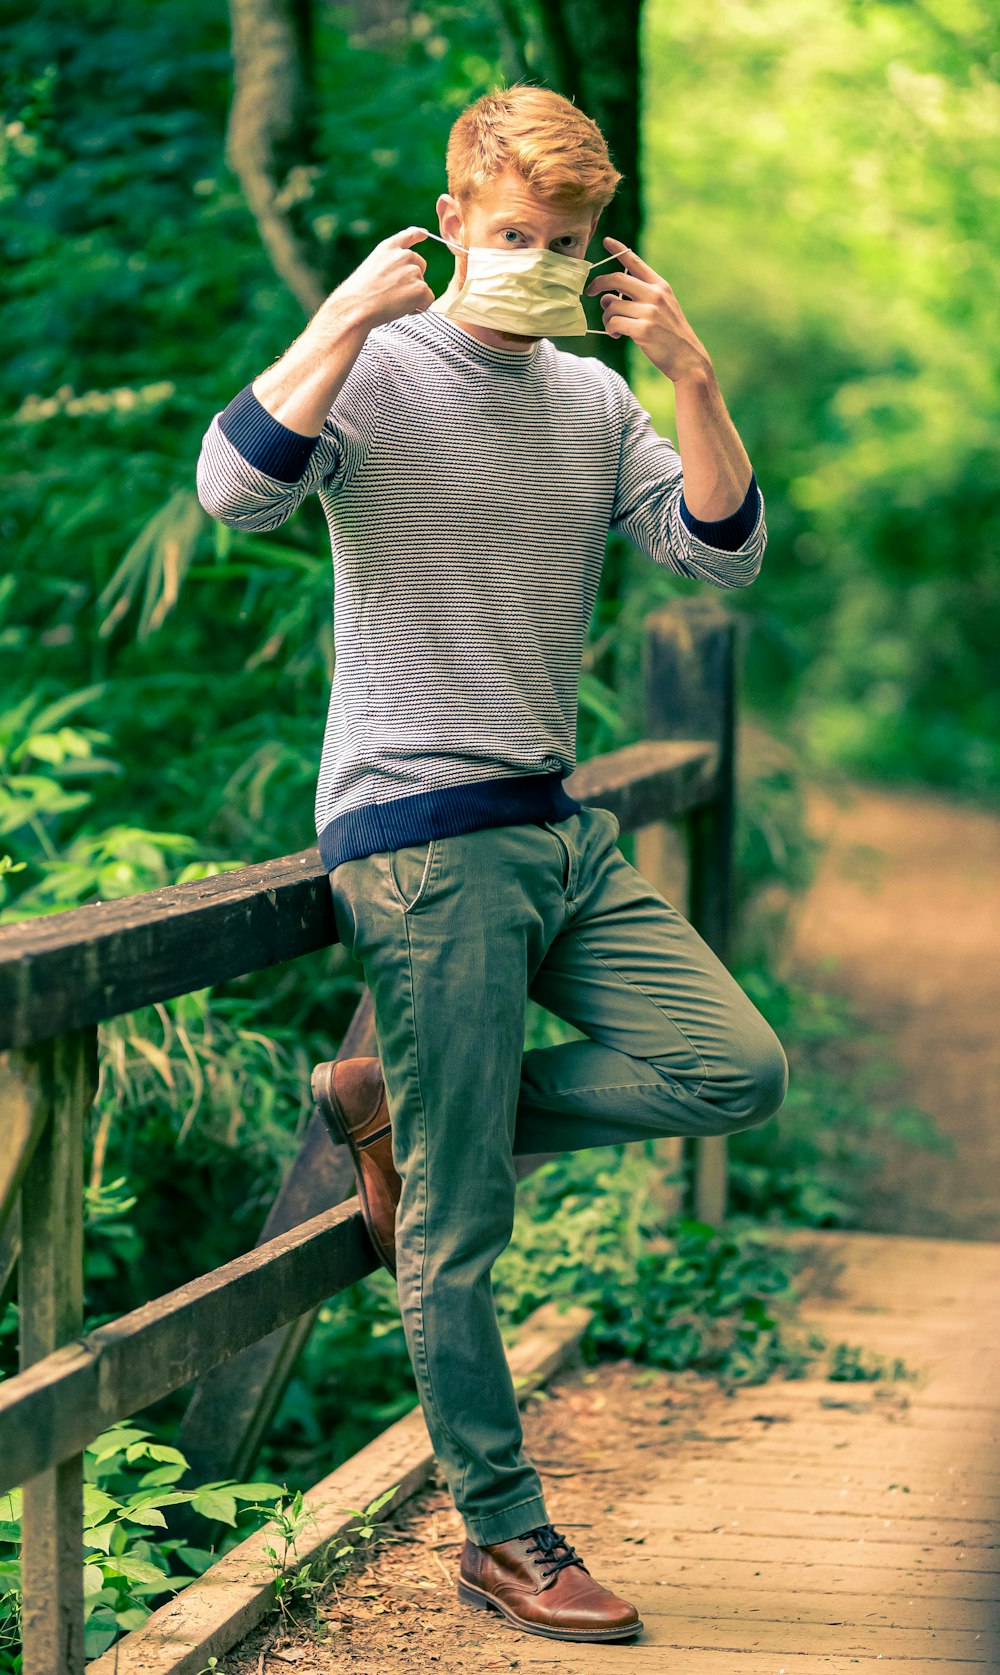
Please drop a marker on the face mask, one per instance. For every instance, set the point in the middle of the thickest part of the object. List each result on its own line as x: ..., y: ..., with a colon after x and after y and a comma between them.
x: 534, y: 292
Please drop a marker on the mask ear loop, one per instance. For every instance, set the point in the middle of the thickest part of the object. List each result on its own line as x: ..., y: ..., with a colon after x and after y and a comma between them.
x: 598, y: 331
x: 449, y: 241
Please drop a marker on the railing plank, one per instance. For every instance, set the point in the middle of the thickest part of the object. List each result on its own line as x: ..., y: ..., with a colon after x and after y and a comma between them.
x: 90, y: 963
x: 60, y: 1078
x: 59, y: 1405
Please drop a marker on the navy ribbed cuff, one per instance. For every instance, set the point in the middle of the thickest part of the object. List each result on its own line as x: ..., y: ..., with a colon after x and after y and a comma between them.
x: 263, y: 440
x: 727, y: 533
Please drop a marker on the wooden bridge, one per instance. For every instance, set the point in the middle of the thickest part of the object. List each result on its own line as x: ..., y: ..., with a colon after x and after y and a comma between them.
x: 234, y: 1334
x: 802, y: 1527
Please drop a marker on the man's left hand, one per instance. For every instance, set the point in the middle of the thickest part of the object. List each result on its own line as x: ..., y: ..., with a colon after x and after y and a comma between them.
x: 648, y: 313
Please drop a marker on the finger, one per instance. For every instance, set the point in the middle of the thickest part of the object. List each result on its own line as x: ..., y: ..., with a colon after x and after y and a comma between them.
x: 621, y: 317
x: 630, y: 260
x: 621, y: 328
x: 625, y: 309
x: 627, y: 282
x: 408, y: 235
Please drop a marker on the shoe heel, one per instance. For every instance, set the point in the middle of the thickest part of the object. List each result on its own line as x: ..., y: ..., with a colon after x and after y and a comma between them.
x: 469, y: 1596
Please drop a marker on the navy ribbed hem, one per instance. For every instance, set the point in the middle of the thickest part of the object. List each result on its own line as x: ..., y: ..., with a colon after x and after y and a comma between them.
x: 514, y: 801
x: 263, y: 440
x: 726, y: 533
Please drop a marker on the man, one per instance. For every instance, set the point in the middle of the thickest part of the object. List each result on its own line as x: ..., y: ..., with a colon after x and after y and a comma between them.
x: 469, y: 474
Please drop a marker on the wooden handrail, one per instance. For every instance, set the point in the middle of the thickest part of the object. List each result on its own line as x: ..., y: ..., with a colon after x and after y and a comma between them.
x: 95, y: 962
x: 61, y: 975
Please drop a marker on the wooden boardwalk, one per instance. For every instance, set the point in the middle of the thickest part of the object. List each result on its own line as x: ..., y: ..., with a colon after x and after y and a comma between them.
x: 805, y: 1527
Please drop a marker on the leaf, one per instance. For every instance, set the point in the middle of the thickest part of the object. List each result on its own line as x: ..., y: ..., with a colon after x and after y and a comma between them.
x: 139, y: 1571
x: 93, y: 1579
x: 100, y: 1536
x: 146, y: 1515
x: 256, y: 1491
x: 113, y: 1442
x: 154, y: 1450
x: 161, y: 1475
x: 96, y: 1506
x: 213, y: 1503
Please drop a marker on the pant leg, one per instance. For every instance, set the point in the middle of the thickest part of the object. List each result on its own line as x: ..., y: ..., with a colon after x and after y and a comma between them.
x: 448, y: 932
x: 675, y: 1045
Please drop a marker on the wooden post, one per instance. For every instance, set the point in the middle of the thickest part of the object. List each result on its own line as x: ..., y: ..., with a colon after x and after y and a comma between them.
x: 232, y: 1406
x: 690, y: 654
x: 661, y: 857
x: 60, y: 1079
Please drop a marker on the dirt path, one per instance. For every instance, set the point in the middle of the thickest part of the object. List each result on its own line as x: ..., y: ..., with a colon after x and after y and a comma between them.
x: 904, y: 918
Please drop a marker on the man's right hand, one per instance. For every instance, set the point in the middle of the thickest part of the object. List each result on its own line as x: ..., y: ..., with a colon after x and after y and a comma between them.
x: 389, y: 282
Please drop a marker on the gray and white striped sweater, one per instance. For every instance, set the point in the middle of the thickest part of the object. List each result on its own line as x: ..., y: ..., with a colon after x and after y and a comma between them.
x: 469, y: 491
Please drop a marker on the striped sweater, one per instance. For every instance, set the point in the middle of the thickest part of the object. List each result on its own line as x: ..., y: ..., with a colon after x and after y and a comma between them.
x: 469, y: 491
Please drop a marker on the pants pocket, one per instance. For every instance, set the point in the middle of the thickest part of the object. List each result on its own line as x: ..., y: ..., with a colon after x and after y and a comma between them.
x: 411, y: 869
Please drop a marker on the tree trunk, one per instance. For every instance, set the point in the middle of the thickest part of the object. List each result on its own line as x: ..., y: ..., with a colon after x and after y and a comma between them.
x: 269, y: 139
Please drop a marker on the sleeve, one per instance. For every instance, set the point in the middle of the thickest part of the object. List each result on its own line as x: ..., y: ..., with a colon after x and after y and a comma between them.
x: 650, y: 509
x: 253, y: 472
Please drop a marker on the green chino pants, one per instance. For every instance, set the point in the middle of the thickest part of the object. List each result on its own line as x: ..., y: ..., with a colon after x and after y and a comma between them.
x: 453, y: 934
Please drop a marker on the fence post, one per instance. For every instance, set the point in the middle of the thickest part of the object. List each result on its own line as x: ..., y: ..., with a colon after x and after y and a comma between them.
x: 59, y: 1079
x: 689, y: 668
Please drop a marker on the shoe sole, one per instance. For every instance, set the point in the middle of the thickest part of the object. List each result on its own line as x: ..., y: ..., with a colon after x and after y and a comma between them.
x: 469, y: 1594
x: 323, y: 1094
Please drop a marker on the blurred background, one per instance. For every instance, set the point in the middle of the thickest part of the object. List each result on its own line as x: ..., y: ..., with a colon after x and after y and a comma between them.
x: 818, y: 180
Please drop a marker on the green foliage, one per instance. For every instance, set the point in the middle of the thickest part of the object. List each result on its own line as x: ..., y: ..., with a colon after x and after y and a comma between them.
x: 852, y: 1364
x: 129, y: 1478
x: 830, y: 227
x: 674, y: 1293
x: 299, y: 1584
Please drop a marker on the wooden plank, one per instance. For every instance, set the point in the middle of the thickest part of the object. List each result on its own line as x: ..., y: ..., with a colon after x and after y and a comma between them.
x: 728, y: 1514
x: 58, y: 1405
x: 666, y: 1627
x: 215, y: 1612
x: 783, y: 1604
x: 656, y: 1656
x: 798, y: 1551
x: 925, y: 1488
x: 714, y: 1573
x: 23, y: 1115
x: 806, y: 1496
x: 60, y: 1080
x: 94, y: 962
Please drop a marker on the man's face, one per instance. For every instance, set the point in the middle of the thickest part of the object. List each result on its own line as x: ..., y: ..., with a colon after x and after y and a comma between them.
x: 507, y: 215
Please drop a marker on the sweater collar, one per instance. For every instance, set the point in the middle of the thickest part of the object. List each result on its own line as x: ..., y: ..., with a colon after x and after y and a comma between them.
x: 479, y: 351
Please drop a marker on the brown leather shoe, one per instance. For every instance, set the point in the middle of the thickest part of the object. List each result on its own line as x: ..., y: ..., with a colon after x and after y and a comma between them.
x: 540, y: 1584
x: 350, y: 1096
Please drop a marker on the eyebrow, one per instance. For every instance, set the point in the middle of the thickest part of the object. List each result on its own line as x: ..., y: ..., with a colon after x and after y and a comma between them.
x: 515, y: 221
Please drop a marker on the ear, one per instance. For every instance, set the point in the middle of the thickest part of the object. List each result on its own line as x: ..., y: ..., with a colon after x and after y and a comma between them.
x: 450, y: 225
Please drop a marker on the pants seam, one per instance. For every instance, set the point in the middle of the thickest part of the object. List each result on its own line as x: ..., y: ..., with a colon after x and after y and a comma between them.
x: 419, y: 1324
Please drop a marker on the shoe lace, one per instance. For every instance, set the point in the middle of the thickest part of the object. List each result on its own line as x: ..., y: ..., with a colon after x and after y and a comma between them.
x: 546, y: 1545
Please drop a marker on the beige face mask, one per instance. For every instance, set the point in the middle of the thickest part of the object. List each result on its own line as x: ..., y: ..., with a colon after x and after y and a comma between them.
x: 534, y: 292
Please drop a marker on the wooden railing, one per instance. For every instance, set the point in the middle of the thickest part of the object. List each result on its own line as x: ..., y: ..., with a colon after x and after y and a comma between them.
x: 238, y: 1329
